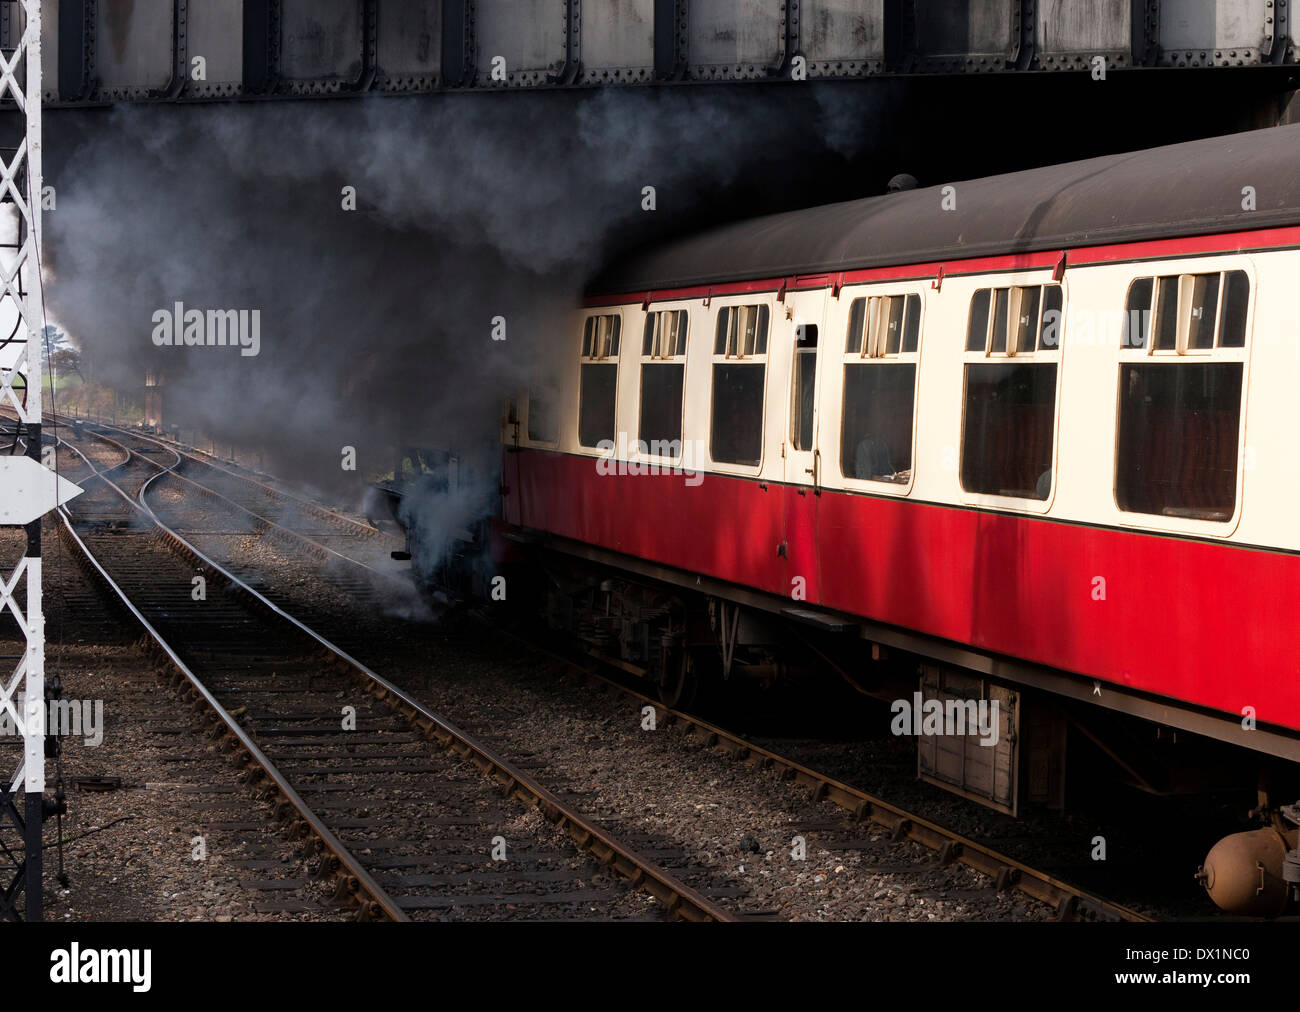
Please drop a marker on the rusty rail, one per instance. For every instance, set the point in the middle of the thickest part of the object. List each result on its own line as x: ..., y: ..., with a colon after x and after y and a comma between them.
x: 1070, y: 902
x: 681, y: 900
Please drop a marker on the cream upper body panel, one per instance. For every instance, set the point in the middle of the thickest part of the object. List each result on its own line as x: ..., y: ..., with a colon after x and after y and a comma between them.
x: 1089, y: 358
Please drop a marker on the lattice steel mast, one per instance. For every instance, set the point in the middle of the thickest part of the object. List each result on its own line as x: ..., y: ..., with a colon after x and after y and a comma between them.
x: 20, y: 389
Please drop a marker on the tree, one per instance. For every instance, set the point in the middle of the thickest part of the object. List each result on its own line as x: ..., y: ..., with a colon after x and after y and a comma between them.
x: 53, y: 338
x: 67, y: 360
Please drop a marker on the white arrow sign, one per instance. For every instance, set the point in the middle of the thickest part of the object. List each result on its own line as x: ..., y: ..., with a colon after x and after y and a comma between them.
x: 29, y: 489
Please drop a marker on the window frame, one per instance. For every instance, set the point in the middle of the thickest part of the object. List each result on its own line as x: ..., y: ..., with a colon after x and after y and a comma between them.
x: 612, y: 357
x: 1130, y: 353
x: 800, y: 348
x: 1148, y: 355
x: 680, y: 358
x: 985, y: 356
x: 525, y: 439
x: 726, y: 304
x: 868, y: 344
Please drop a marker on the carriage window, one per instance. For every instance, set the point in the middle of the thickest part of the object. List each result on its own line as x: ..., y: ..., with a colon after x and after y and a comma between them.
x: 884, y: 325
x: 541, y: 418
x: 663, y: 372
x: 1013, y: 341
x: 1166, y: 314
x: 742, y: 331
x: 1001, y: 310
x: 1008, y: 429
x: 1199, y: 305
x: 1236, y: 295
x: 1049, y: 334
x: 1177, y: 450
x: 1026, y: 323
x: 857, y: 326
x: 977, y: 324
x: 1024, y: 318
x: 1189, y: 313
x: 876, y: 435
x: 739, y: 375
x: 1178, y: 432
x: 599, y: 379
x: 1137, y: 314
x: 804, y: 396
x: 880, y: 388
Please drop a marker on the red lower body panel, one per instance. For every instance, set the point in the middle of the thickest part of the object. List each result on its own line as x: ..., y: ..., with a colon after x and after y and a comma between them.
x: 1208, y: 624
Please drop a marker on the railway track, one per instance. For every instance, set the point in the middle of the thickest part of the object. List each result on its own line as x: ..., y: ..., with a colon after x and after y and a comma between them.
x: 1069, y: 902
x: 401, y: 824
x: 1006, y: 873
x: 152, y: 785
x: 253, y: 493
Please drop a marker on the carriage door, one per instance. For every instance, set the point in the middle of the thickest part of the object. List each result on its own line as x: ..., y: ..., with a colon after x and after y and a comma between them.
x: 803, y: 463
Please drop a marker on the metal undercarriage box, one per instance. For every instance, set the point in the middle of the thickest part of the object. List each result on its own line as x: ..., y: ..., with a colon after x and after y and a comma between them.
x: 960, y: 762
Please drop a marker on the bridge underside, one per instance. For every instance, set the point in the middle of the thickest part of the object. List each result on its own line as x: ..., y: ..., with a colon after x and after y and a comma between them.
x: 99, y: 51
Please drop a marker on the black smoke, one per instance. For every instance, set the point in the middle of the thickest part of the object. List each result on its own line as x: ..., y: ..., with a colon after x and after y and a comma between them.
x: 376, y: 323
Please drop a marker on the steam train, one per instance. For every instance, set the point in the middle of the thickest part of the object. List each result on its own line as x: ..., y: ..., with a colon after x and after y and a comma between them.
x: 1028, y: 438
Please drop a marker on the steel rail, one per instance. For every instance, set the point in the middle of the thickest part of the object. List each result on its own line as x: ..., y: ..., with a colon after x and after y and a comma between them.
x: 681, y: 900
x: 315, y: 509
x: 347, y: 861
x: 1070, y: 902
x: 325, y: 552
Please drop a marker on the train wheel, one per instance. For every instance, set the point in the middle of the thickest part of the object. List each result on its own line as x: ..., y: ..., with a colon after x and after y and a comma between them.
x: 679, y: 681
